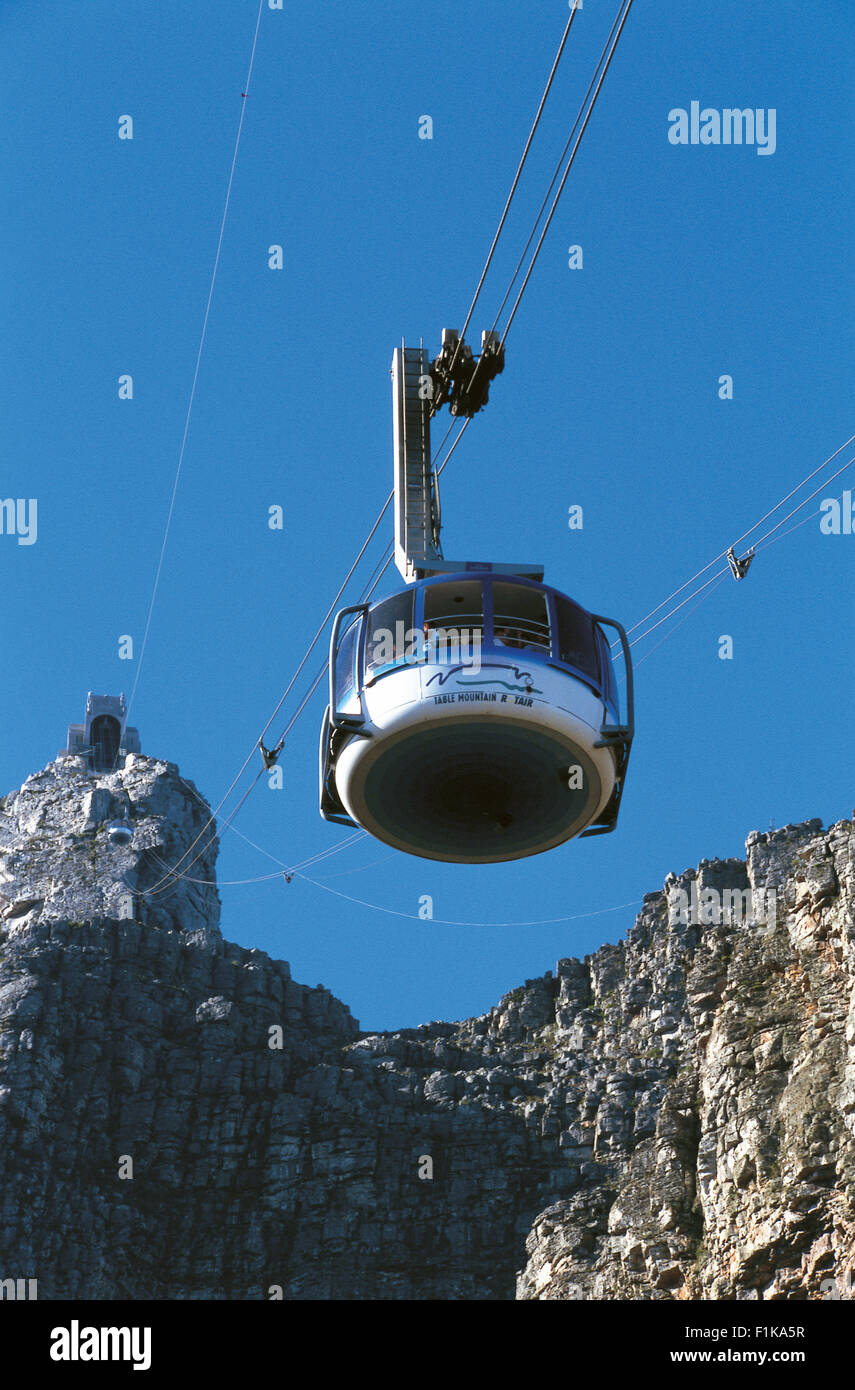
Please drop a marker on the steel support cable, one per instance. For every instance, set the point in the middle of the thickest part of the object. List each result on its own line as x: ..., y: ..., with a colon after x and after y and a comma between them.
x: 192, y: 398
x: 720, y: 574
x: 715, y: 581
x: 720, y: 580
x: 830, y: 459
x: 305, y: 863
x: 823, y: 485
x: 627, y: 6
x: 445, y: 922
x: 329, y: 851
x: 765, y: 541
x: 223, y: 882
x: 561, y: 158
x: 682, y: 604
x: 487, y: 264
x: 390, y: 498
x: 170, y: 877
x: 360, y: 868
x: 789, y: 532
x: 747, y: 533
x: 510, y: 197
x: 175, y: 873
x: 312, y: 859
x: 366, y: 595
x: 266, y: 878
x: 306, y: 656
x: 287, y: 692
x: 410, y: 916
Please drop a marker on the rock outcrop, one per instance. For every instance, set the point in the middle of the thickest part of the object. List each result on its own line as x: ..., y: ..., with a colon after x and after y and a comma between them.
x: 671, y: 1118
x: 57, y: 861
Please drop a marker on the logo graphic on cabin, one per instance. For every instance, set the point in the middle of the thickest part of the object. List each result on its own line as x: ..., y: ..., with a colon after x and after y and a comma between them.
x: 526, y: 676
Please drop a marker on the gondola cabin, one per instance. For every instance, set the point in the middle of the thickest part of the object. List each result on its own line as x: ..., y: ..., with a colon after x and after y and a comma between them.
x: 474, y: 715
x: 473, y: 718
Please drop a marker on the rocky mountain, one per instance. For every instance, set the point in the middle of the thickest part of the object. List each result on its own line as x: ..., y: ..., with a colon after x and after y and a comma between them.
x: 671, y: 1118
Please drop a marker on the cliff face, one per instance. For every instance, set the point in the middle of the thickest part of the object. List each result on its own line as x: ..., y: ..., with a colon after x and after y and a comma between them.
x: 671, y: 1118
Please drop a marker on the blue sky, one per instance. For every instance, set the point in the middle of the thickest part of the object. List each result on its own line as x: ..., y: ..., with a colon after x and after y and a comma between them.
x: 698, y: 261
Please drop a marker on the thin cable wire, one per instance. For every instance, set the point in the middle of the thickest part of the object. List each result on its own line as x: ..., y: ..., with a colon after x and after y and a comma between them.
x: 360, y: 868
x: 295, y: 871
x: 811, y: 517
x: 290, y: 686
x: 763, y: 544
x: 446, y: 922
x: 329, y: 851
x: 684, y: 619
x: 303, y: 864
x: 741, y: 538
x: 283, y: 869
x: 615, y: 42
x: 175, y: 874
x: 641, y: 637
x: 830, y: 459
x: 306, y: 656
x: 223, y: 882
x: 197, y: 366
x: 170, y: 878
x: 410, y: 916
x: 680, y: 605
x: 510, y: 197
x: 823, y: 485
x: 561, y: 158
x: 389, y: 499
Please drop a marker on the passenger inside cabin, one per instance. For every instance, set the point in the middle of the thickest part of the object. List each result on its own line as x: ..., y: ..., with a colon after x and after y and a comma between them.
x: 513, y: 637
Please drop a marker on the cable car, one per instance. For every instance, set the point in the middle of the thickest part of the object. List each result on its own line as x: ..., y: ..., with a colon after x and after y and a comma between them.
x: 120, y: 832
x: 473, y: 715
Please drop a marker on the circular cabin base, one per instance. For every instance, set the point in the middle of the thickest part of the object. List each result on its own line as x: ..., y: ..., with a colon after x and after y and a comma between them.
x: 471, y: 791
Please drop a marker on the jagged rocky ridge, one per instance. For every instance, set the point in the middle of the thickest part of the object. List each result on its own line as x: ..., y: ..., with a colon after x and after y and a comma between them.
x: 672, y: 1117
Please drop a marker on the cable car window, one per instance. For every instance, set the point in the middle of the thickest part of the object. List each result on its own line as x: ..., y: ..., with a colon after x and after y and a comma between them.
x: 454, y: 617
x: 576, y: 643
x: 609, y: 682
x: 392, y: 639
x: 520, y: 617
x: 346, y: 693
